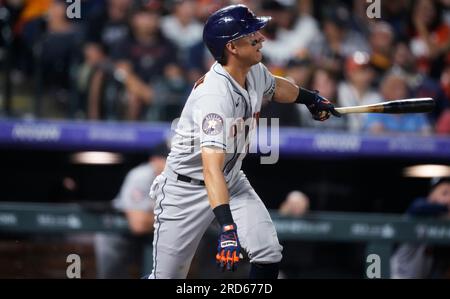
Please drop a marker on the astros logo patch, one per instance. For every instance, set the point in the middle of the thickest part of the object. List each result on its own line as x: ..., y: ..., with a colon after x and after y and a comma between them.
x: 212, y: 124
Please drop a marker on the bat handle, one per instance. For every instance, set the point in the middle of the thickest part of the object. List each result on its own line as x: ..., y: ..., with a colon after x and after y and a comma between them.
x: 358, y: 109
x: 342, y: 110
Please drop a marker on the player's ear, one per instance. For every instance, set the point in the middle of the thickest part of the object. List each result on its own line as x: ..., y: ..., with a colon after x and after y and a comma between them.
x: 231, y: 47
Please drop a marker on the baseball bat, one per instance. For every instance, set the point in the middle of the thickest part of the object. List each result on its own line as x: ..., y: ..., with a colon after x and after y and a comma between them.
x: 418, y: 105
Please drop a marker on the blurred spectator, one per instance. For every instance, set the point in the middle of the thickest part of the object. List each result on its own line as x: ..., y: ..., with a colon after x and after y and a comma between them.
x: 357, y: 90
x: 207, y: 7
x: 404, y: 59
x: 394, y: 87
x: 104, y: 29
x: 28, y: 10
x: 359, y: 17
x: 142, y: 59
x: 105, y: 89
x: 146, y: 55
x: 115, y: 253
x: 172, y: 90
x: 396, y: 14
x: 181, y: 27
x: 325, y: 82
x: 430, y: 41
x: 138, y: 57
x: 336, y: 41
x: 14, y: 15
x: 415, y: 261
x: 421, y: 84
x: 199, y: 59
x: 109, y: 25
x: 381, y: 42
x: 289, y: 33
x: 94, y: 56
x: 199, y: 62
x: 146, y: 51
x: 55, y: 42
x: 300, y: 70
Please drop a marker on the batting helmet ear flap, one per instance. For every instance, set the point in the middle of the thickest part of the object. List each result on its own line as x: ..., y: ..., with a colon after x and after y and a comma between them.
x: 230, y: 23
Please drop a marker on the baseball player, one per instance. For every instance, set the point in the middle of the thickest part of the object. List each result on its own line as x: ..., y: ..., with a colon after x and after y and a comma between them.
x: 116, y: 252
x: 202, y: 180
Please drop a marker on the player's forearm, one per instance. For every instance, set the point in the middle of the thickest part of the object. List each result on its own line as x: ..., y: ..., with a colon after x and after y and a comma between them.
x: 288, y: 92
x: 285, y: 91
x: 213, y: 160
x: 218, y: 196
x: 216, y: 187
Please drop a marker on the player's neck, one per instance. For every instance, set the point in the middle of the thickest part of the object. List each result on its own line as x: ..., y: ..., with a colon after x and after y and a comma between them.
x: 238, y: 72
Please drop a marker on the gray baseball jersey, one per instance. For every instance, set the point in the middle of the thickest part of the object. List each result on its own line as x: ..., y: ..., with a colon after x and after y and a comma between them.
x: 214, y: 115
x: 133, y: 194
x: 219, y: 113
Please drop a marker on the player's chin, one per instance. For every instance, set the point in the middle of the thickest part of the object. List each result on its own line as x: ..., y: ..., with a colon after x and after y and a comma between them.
x: 258, y: 57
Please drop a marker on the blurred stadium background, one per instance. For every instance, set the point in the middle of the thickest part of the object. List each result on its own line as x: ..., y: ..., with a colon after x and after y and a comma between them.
x: 84, y: 100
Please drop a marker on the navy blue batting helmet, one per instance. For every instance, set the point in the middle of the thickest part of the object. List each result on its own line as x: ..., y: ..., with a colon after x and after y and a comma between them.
x: 228, y: 24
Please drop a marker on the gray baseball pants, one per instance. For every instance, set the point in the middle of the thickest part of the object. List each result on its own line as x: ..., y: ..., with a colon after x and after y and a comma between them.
x: 183, y: 214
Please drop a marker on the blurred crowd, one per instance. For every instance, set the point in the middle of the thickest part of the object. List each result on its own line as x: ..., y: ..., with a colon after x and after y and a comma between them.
x: 138, y: 59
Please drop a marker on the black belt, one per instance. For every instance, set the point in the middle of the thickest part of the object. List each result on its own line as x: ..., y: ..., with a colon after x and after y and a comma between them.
x: 187, y: 179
